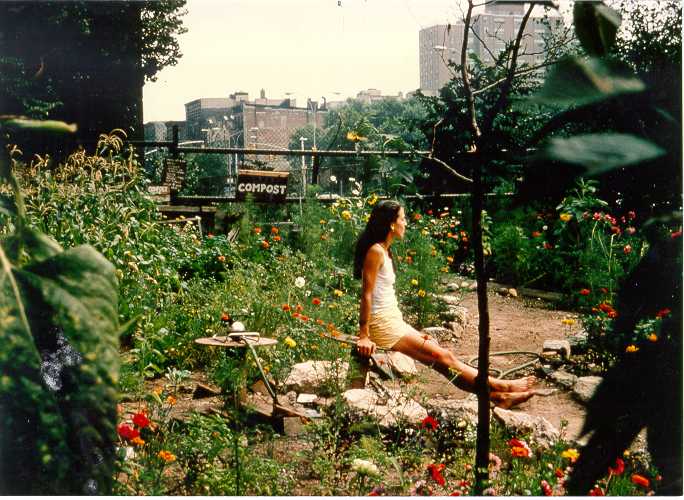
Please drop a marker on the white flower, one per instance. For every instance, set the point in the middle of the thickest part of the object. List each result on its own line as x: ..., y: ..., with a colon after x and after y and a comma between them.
x: 355, y: 192
x: 545, y: 227
x: 352, y: 179
x: 333, y: 178
x: 300, y: 282
x: 364, y: 467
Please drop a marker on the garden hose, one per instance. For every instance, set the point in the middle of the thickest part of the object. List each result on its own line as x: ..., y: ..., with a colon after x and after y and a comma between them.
x: 503, y: 373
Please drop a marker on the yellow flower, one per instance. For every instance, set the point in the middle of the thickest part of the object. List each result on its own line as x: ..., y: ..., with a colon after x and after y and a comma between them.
x: 631, y: 348
x: 346, y: 215
x: 414, y: 282
x: 171, y: 400
x: 421, y: 293
x: 166, y: 456
x: 322, y: 221
x: 365, y: 217
x: 653, y: 337
x: 571, y: 453
x: 568, y: 321
x: 445, y: 269
x: 138, y: 441
x: 373, y: 200
x: 354, y: 137
x: 289, y: 342
x: 434, y: 252
x: 424, y: 232
x: 338, y: 293
x: 450, y: 259
x: 565, y: 217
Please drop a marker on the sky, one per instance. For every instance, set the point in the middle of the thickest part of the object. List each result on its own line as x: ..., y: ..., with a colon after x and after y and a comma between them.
x: 310, y: 48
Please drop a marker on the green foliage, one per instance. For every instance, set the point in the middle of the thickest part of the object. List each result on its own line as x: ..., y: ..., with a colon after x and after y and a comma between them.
x: 59, y: 364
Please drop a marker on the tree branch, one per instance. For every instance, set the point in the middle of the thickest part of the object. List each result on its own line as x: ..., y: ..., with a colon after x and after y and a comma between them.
x: 474, y: 128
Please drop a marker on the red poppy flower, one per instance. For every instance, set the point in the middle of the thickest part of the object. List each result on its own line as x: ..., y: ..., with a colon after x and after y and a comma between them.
x: 299, y: 308
x: 619, y: 467
x: 596, y: 492
x: 276, y: 238
x: 436, y: 473
x: 141, y: 420
x: 663, y: 312
x: 274, y: 230
x: 640, y: 480
x: 612, y: 314
x: 303, y: 318
x: 516, y: 442
x: 584, y: 291
x: 429, y: 423
x: 286, y: 307
x: 127, y: 432
x: 429, y: 212
x: 316, y: 301
x: 605, y: 307
x: 225, y: 317
x: 676, y: 234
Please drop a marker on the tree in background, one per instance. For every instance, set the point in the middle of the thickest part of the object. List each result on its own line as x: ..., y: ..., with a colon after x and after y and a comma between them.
x: 85, y: 62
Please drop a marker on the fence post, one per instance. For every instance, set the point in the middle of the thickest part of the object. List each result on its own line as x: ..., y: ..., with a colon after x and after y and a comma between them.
x: 174, y: 146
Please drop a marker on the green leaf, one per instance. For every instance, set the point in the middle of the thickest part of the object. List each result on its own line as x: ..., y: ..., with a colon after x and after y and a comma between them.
x: 37, y: 245
x: 596, y: 26
x: 579, y: 81
x: 70, y: 299
x: 21, y: 123
x: 600, y: 153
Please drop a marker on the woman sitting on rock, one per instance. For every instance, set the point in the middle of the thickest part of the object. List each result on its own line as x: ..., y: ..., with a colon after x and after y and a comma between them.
x: 381, y: 323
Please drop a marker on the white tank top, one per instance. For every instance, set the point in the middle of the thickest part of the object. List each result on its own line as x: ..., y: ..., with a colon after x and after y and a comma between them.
x: 383, y: 297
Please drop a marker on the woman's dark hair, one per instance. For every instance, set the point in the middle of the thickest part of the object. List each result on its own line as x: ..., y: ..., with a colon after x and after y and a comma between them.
x: 377, y: 228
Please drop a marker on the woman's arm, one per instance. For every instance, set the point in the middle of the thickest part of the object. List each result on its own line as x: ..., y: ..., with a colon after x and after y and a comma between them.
x: 371, y: 266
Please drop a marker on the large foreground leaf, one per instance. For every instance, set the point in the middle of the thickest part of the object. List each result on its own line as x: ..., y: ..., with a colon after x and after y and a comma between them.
x: 59, y: 373
x: 596, y: 26
x: 577, y: 81
x: 599, y: 153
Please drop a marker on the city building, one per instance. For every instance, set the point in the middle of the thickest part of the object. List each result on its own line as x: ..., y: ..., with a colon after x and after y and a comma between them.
x: 489, y: 34
x: 163, y: 131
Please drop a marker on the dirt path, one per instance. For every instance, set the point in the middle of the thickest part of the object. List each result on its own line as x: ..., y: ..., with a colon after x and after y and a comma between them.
x: 516, y: 324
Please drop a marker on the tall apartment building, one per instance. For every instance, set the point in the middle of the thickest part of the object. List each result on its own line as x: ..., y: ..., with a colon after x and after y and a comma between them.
x: 489, y: 34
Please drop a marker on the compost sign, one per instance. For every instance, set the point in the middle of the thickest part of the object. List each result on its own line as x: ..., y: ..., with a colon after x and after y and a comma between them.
x: 262, y: 185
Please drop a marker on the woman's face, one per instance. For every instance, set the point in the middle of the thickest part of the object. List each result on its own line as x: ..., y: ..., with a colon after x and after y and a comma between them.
x: 400, y: 224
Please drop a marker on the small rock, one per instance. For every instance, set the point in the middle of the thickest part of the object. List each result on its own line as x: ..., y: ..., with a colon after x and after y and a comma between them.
x: 312, y: 375
x: 457, y: 329
x: 389, y: 411
x: 404, y: 365
x: 562, y: 347
x: 438, y: 333
x: 579, y: 342
x: 541, y: 431
x: 512, y: 292
x: 452, y: 287
x: 585, y: 387
x: 564, y: 379
x: 451, y: 300
x: 473, y: 286
x: 453, y: 410
x: 304, y: 398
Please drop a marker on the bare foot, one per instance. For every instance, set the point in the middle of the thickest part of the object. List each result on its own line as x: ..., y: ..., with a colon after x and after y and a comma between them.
x: 508, y: 400
x: 518, y: 385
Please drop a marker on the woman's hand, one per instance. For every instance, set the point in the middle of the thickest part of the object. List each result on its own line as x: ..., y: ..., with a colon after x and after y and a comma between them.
x: 365, y: 346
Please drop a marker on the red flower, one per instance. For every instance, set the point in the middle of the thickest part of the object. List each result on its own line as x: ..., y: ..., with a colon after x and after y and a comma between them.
x: 276, y: 238
x: 597, y: 216
x: 429, y: 423
x: 225, y: 317
x: 316, y: 301
x: 416, y: 217
x: 676, y: 234
x: 141, y: 420
x: 127, y: 432
x: 547, y: 245
x: 615, y: 230
x: 515, y: 442
x: 286, y: 307
x: 627, y: 249
x: 559, y: 473
x: 663, y: 312
x: 299, y: 308
x: 546, y: 488
x: 429, y: 212
x: 604, y: 290
x: 436, y: 473
x: 606, y: 308
x: 536, y: 234
x: 640, y: 480
x: 303, y: 318
x: 612, y: 314
x: 520, y: 452
x: 597, y: 492
x: 274, y: 230
x: 455, y: 494
x: 584, y: 291
x: 619, y: 467
x: 631, y: 215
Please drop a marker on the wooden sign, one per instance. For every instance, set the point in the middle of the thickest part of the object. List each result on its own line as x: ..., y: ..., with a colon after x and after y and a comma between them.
x: 159, y: 194
x: 262, y: 185
x: 174, y: 173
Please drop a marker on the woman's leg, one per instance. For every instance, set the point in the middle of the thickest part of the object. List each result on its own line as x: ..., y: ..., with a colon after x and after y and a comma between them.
x: 426, y: 350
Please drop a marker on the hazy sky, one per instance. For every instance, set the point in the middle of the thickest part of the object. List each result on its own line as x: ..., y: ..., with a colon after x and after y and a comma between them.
x: 311, y: 48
